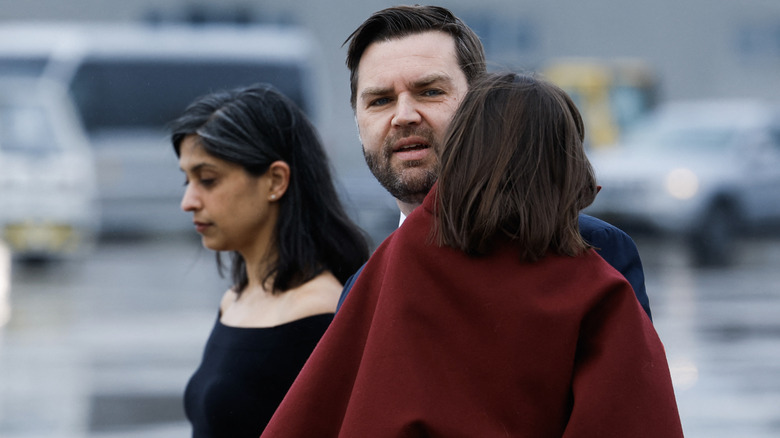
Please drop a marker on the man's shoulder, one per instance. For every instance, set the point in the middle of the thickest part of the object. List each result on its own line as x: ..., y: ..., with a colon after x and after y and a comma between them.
x: 610, y: 241
x: 619, y: 250
x: 590, y: 226
x: 348, y: 287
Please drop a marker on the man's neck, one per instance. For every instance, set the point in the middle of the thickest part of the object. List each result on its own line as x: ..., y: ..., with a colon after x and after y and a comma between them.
x: 407, y: 208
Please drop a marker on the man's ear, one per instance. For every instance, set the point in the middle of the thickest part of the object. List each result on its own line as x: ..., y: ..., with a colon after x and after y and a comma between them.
x: 279, y: 175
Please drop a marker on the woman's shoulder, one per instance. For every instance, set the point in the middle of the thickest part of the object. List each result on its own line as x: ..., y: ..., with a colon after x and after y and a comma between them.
x: 228, y: 298
x: 317, y: 296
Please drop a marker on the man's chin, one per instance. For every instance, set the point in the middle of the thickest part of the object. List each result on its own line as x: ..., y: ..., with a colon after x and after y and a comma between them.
x: 415, y: 199
x: 409, y: 184
x: 411, y: 191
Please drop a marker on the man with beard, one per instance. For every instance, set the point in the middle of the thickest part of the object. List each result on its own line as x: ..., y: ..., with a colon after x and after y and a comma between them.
x: 410, y: 67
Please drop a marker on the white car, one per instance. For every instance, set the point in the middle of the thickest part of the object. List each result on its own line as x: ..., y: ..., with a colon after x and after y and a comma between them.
x: 705, y: 171
x: 48, y: 194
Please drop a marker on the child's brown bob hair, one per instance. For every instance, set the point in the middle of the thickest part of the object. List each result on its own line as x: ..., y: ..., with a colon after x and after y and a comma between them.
x: 513, y: 166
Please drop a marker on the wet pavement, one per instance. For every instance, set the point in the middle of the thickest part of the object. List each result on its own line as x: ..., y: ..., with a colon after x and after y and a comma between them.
x: 104, y: 346
x: 721, y: 329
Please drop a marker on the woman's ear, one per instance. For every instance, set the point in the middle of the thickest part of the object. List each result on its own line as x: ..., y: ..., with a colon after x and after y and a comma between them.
x: 279, y: 175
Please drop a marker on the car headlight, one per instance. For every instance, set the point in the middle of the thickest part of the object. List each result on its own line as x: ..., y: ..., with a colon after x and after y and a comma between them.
x: 682, y: 183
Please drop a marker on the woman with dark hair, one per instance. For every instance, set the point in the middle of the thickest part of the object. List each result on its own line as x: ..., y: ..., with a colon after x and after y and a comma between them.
x: 486, y: 314
x: 259, y: 186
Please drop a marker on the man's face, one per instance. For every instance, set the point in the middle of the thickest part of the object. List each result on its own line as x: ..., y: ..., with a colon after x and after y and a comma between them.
x: 407, y: 92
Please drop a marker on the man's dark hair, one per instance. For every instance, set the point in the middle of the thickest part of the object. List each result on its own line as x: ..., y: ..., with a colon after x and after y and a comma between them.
x: 400, y: 21
x: 253, y: 127
x: 513, y: 168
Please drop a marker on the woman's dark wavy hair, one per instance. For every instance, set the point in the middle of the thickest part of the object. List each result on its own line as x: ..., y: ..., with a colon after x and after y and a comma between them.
x: 253, y: 127
x: 400, y: 21
x: 513, y: 166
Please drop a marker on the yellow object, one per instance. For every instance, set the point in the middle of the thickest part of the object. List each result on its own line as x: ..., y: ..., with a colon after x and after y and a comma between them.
x: 31, y: 237
x: 610, y: 94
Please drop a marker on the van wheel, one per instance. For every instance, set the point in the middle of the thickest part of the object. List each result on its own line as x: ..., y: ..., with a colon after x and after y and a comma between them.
x: 713, y: 243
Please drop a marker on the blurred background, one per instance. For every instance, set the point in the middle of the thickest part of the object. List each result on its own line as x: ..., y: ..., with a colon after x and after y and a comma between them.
x: 106, y: 296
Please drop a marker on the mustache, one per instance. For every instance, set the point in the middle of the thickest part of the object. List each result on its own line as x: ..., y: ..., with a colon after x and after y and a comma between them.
x: 424, y: 132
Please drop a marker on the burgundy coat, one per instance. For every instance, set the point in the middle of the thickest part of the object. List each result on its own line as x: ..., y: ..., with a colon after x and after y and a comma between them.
x: 432, y: 342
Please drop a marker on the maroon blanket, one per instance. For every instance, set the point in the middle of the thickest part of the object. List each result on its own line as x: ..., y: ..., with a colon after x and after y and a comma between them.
x: 431, y: 342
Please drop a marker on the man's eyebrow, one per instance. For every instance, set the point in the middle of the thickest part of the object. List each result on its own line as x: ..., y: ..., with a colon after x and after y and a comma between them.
x: 431, y: 79
x: 375, y: 91
x: 419, y: 83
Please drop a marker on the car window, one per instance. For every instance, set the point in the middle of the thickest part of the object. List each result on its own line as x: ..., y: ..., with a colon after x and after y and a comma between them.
x: 121, y: 93
x: 25, y: 128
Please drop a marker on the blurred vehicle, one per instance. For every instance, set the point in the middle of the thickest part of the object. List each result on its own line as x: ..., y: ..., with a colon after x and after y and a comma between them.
x: 611, y: 94
x: 707, y: 171
x: 47, y: 173
x: 129, y: 80
x: 5, y: 285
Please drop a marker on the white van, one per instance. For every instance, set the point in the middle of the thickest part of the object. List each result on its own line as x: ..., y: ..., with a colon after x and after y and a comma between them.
x: 47, y: 173
x: 129, y: 80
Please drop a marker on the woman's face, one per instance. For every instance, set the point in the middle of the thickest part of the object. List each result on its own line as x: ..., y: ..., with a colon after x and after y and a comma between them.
x: 230, y: 208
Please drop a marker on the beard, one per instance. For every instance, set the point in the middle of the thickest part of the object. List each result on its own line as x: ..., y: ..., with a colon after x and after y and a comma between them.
x: 409, y: 181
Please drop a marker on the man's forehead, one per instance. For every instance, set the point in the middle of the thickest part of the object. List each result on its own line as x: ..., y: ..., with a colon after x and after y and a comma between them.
x: 437, y: 40
x: 412, y: 59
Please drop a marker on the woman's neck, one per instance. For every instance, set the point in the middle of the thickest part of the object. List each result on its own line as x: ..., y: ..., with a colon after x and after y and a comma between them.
x: 259, y: 307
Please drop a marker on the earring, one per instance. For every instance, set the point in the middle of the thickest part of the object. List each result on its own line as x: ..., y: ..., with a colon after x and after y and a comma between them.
x: 273, y: 197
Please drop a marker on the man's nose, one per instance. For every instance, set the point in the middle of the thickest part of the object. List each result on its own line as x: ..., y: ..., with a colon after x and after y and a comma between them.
x: 190, y: 200
x: 407, y: 111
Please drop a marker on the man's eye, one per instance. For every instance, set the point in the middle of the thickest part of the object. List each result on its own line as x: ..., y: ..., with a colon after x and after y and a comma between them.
x: 207, y: 182
x: 432, y: 93
x: 379, y: 102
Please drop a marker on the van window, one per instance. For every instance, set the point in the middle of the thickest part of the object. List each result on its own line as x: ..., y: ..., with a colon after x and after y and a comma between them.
x: 128, y: 82
x: 22, y: 65
x: 153, y: 92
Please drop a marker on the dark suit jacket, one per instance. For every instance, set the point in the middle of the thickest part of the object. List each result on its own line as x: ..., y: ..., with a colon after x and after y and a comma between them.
x: 612, y: 244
